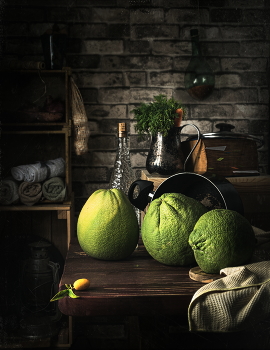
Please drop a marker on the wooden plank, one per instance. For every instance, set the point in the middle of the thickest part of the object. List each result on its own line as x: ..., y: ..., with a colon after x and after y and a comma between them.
x: 137, y: 285
x: 59, y: 233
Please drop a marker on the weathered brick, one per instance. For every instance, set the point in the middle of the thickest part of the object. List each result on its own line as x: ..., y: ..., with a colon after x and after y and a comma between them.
x: 88, y: 79
x: 102, y: 46
x: 136, y: 78
x: 205, y: 32
x: 110, y: 126
x: 242, y: 32
x: 253, y: 79
x: 256, y: 16
x: 89, y: 95
x: 138, y: 95
x: 226, y: 15
x: 103, y: 158
x: 211, y: 111
x: 264, y: 95
x: 259, y: 126
x: 245, y: 3
x: 254, y: 49
x: 113, y: 95
x: 137, y: 46
x: 101, y: 142
x: 221, y: 49
x: 150, y: 31
x: 251, y: 111
x: 203, y: 125
x: 184, y: 15
x: 111, y: 14
x: 118, y: 30
x: 181, y: 62
x: 150, y: 62
x: 139, y: 3
x: 106, y: 111
x: 85, y: 174
x: 171, y: 47
x: 229, y: 80
x: 244, y: 64
x: 147, y: 15
x: 111, y: 62
x: 238, y: 95
x: 83, y: 61
x: 96, y: 30
x: 137, y: 143
x: 166, y: 79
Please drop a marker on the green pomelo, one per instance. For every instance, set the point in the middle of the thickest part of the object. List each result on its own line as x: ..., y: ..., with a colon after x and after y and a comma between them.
x: 107, y: 226
x: 167, y: 225
x: 222, y: 238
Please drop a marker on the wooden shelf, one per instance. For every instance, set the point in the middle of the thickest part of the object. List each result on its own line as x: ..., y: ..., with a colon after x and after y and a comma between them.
x: 25, y: 143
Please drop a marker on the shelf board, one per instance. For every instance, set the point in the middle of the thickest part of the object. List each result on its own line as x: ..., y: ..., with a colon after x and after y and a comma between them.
x: 37, y: 207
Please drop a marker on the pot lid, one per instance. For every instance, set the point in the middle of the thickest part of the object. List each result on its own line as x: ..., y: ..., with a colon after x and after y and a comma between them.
x: 225, y: 132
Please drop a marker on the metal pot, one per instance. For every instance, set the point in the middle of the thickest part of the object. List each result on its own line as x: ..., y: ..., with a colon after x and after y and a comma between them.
x: 224, y: 153
x: 213, y: 192
x: 225, y: 132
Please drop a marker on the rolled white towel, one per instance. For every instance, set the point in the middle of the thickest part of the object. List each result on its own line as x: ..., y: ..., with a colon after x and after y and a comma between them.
x: 39, y: 171
x: 8, y: 191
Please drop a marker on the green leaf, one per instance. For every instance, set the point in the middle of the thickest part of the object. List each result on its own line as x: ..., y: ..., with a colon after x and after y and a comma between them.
x: 71, y: 294
x: 60, y: 295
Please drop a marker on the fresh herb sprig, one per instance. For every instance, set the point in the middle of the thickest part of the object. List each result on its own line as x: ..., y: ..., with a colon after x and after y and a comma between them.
x: 156, y: 116
x: 65, y: 292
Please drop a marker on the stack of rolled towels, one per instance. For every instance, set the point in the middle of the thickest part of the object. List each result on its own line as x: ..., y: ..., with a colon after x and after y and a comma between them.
x: 30, y: 184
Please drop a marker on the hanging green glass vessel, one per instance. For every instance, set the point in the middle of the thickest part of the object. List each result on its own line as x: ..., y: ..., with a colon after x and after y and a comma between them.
x: 199, y: 77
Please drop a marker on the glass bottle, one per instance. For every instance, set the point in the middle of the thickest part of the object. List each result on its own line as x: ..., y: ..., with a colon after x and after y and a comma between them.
x: 123, y: 175
x: 199, y: 77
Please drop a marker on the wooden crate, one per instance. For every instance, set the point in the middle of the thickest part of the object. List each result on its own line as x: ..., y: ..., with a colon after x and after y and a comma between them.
x: 254, y: 192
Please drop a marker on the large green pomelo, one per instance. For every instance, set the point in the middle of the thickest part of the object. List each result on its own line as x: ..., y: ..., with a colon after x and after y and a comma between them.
x: 107, y: 226
x: 167, y: 225
x: 222, y: 238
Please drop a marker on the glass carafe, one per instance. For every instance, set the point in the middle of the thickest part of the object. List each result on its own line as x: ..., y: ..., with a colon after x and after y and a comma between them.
x: 199, y: 77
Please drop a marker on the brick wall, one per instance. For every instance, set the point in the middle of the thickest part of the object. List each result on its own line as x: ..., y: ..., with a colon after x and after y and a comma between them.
x: 125, y: 52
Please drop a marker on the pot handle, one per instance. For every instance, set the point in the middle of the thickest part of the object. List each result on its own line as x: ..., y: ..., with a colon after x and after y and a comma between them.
x: 142, y: 199
x: 199, y: 137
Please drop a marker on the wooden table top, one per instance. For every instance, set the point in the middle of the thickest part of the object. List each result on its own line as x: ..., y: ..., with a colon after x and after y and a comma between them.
x: 138, y: 285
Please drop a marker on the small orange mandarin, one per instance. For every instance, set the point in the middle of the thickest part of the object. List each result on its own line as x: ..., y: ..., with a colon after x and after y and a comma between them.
x: 81, y: 284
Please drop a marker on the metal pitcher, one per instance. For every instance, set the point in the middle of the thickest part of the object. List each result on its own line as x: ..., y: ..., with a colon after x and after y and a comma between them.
x: 165, y: 156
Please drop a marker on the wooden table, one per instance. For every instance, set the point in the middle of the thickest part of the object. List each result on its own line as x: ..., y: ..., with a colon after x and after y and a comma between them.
x: 137, y: 286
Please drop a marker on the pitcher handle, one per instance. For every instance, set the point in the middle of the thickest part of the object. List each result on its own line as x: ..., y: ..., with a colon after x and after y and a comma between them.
x: 199, y: 137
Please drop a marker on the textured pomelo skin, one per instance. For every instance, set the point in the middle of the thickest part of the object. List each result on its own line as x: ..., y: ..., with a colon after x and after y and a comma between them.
x: 222, y: 238
x: 107, y: 227
x: 167, y: 225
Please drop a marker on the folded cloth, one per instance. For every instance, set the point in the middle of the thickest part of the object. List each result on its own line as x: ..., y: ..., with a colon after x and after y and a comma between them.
x: 8, y: 191
x: 235, y: 302
x: 39, y: 171
x: 54, y: 189
x: 30, y: 192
